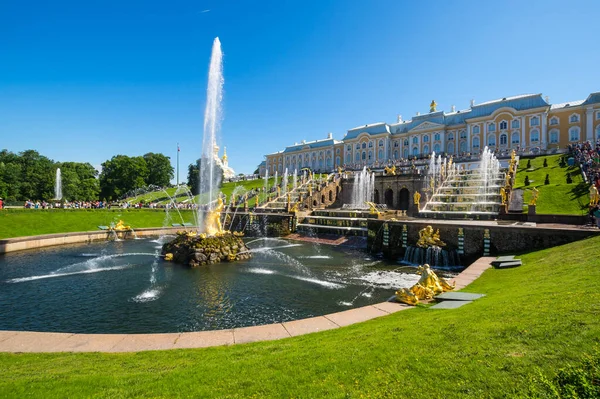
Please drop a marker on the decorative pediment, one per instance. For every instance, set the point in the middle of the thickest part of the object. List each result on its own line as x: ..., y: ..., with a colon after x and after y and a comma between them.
x: 426, y: 125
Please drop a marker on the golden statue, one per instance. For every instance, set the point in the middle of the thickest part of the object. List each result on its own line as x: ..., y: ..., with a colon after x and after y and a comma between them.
x: 432, y: 106
x: 278, y: 191
x: 390, y: 171
x: 256, y: 201
x: 340, y: 170
x: 246, y: 201
x: 534, y: 196
x: 503, y: 194
x: 594, y: 196
x: 213, y: 219
x: 417, y: 198
x: 121, y: 226
x: 427, y: 287
x: 373, y: 208
x: 450, y: 162
x: 429, y: 238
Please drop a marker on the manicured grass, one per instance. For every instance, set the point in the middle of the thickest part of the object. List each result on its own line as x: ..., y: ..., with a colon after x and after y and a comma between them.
x: 28, y: 222
x: 558, y: 197
x: 533, y: 320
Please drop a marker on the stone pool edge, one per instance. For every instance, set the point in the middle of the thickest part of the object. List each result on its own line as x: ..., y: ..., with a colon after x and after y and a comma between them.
x: 37, y: 342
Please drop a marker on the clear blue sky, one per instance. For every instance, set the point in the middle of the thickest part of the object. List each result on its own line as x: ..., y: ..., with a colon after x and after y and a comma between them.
x: 86, y: 80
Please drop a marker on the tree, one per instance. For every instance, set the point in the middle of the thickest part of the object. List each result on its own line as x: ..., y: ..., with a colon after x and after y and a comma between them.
x: 37, y: 176
x: 545, y: 163
x: 121, y: 174
x: 527, y: 181
x: 529, y: 164
x: 160, y: 171
x: 547, y: 181
x: 194, y: 176
x: 79, y: 181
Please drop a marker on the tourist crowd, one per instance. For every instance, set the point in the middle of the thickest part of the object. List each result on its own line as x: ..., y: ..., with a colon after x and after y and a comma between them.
x: 587, y: 155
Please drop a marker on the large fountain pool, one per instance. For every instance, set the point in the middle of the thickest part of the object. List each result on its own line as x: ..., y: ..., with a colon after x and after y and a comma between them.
x: 124, y: 287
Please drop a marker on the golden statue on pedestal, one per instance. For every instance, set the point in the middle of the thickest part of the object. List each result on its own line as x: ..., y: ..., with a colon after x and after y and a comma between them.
x: 429, y: 238
x: 594, y: 196
x: 373, y: 208
x: 213, y: 219
x: 256, y: 201
x: 120, y: 226
x: 390, y: 171
x: 503, y: 194
x: 534, y: 196
x: 427, y: 287
x: 432, y: 106
x: 417, y: 199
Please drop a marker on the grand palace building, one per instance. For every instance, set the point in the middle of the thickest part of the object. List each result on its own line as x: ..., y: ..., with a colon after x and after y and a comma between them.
x: 526, y: 123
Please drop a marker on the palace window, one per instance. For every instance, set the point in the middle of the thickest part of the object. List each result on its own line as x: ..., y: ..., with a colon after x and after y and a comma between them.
x: 463, y: 134
x: 492, y: 127
x: 503, y: 126
x: 370, y: 155
x: 357, y: 146
x: 598, y: 115
x: 598, y: 132
x: 415, y: 140
x: 476, y: 142
x: 380, y: 154
x: 406, y: 142
x: 396, y: 154
x: 357, y: 157
x: 553, y: 121
x: 436, y: 137
x: 476, y: 129
x: 370, y: 144
x: 503, y: 139
x: 534, y: 136
x: 553, y: 136
x: 436, y: 148
x: 364, y: 145
x: 450, y: 148
x: 396, y: 144
x: 450, y: 137
x: 514, y: 139
x: 574, y: 134
x: 463, y: 146
x: 535, y: 121
x: 364, y: 155
x: 574, y: 118
x: 349, y: 148
x: 515, y: 124
x: 425, y: 139
x: 415, y: 151
x: 337, y: 151
x: 491, y: 140
x: 425, y: 149
x: 381, y: 143
x: 405, y: 153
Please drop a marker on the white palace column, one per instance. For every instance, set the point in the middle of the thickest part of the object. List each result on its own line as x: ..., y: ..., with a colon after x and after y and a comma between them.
x: 443, y: 140
x: 523, y: 141
x: 544, y: 130
x: 589, y: 125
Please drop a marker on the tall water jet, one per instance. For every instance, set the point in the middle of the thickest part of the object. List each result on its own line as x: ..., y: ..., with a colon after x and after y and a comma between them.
x: 209, y: 178
x: 362, y: 189
x: 284, y: 182
x: 58, y: 185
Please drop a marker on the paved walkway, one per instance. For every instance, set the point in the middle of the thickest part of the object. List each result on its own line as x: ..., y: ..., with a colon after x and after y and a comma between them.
x: 23, y: 341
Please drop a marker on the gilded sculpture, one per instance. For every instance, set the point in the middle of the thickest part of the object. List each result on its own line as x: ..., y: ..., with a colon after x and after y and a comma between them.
x: 432, y: 106
x: 390, y: 171
x: 429, y: 238
x: 594, y: 196
x: 120, y: 226
x: 417, y: 199
x: 213, y: 219
x: 373, y: 209
x: 534, y: 196
x: 427, y: 287
x: 503, y: 194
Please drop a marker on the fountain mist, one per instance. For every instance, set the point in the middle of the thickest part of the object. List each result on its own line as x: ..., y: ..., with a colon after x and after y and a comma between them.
x: 58, y: 185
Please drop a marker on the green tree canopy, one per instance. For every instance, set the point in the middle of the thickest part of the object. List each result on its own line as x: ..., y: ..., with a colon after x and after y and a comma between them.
x: 121, y: 174
x: 160, y: 171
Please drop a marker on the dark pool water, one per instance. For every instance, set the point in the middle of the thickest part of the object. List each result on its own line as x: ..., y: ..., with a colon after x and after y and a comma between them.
x: 124, y: 287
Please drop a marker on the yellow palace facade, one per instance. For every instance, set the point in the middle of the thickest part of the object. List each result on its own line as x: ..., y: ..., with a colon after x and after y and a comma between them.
x: 526, y: 123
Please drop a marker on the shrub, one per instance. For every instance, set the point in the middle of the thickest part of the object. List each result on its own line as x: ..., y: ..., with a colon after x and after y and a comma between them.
x: 547, y: 181
x: 569, y: 178
x: 545, y: 163
x: 529, y: 164
x: 562, y: 162
x: 526, y: 180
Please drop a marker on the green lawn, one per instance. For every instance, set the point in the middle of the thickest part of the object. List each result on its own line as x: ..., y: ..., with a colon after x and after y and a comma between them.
x: 558, y: 197
x: 534, y: 320
x: 28, y: 222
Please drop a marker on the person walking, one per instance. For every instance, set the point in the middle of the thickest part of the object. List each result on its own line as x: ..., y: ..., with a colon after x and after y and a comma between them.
x: 1, y: 203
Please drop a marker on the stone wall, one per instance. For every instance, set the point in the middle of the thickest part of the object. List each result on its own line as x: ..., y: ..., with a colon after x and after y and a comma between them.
x: 503, y: 239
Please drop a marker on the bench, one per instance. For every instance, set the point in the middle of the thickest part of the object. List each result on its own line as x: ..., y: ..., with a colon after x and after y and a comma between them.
x: 103, y: 227
x: 176, y: 224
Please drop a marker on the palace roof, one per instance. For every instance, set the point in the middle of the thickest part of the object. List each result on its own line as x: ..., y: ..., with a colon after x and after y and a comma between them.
x: 311, y: 145
x: 566, y: 105
x: 593, y: 98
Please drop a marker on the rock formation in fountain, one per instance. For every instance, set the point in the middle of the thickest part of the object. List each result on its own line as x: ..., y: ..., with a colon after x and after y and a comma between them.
x: 199, y: 250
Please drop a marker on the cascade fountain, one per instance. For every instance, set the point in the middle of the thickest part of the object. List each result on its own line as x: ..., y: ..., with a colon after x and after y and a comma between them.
x: 295, y: 180
x: 284, y: 182
x: 362, y: 189
x: 459, y: 192
x: 58, y: 185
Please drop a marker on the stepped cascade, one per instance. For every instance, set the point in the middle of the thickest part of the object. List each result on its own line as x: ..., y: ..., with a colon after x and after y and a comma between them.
x: 456, y: 190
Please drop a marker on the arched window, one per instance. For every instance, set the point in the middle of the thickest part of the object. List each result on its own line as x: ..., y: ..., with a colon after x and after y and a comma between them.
x: 380, y: 154
x: 381, y: 143
x: 514, y: 139
x: 436, y: 148
x: 396, y: 154
x: 450, y: 148
x: 553, y: 121
x: 364, y: 145
x: 370, y: 155
x: 415, y: 151
x: 476, y: 143
x: 415, y: 140
x: 357, y: 157
x: 364, y: 155
x: 503, y: 126
x: 515, y: 124
x: 463, y: 146
x: 534, y: 136
x: 553, y: 136
x: 328, y: 163
x: 491, y: 127
x: 349, y: 148
x: 491, y: 140
x: 463, y: 134
x: 574, y: 118
x: 405, y: 154
x: 406, y: 142
x: 396, y: 144
x: 476, y: 129
x: 370, y: 144
x: 535, y: 121
x: 574, y: 133
x: 425, y: 139
x: 436, y: 137
x: 503, y: 139
x: 426, y: 149
x: 357, y: 146
x: 450, y: 136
